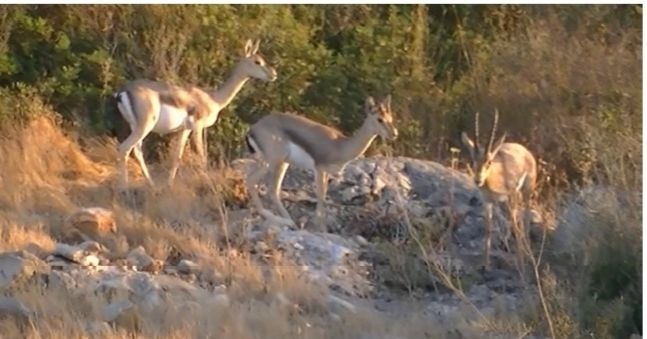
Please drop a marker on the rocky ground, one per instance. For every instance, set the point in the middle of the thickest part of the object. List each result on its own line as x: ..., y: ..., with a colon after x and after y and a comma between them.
x: 404, y: 234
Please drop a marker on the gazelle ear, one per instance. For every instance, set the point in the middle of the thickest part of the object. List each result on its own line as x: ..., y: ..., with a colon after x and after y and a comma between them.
x: 369, y: 105
x: 256, y: 46
x: 387, y: 102
x: 248, y: 48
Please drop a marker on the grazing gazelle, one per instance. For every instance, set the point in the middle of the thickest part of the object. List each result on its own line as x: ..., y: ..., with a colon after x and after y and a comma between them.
x: 507, y: 169
x: 151, y: 106
x: 282, y: 139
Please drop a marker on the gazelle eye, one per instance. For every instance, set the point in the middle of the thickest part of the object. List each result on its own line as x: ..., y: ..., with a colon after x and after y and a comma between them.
x: 257, y: 62
x: 380, y: 120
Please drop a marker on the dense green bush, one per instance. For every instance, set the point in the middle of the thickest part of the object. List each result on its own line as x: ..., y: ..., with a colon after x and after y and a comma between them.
x: 441, y: 62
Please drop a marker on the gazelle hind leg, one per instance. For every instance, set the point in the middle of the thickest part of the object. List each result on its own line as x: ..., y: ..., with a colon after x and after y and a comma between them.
x: 199, y: 141
x: 255, y: 175
x: 139, y: 131
x: 135, y: 137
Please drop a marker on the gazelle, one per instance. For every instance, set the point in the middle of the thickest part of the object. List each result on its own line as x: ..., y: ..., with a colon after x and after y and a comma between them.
x: 508, y: 168
x: 151, y: 106
x: 279, y: 140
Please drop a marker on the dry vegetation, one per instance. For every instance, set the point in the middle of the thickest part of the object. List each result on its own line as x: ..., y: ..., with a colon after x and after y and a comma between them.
x: 49, y: 176
x: 589, y: 271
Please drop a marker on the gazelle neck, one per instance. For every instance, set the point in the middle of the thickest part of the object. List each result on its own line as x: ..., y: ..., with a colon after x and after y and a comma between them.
x: 226, y: 93
x: 354, y: 146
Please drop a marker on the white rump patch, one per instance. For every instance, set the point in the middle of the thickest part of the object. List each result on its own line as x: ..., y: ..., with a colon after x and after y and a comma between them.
x: 297, y: 156
x: 125, y: 108
x: 171, y: 118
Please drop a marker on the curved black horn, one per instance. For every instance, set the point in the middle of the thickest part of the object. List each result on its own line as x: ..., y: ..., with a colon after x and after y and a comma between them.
x: 493, y: 132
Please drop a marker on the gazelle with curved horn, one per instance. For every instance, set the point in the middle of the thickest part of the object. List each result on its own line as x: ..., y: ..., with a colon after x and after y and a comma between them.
x: 499, y: 172
x: 279, y: 140
x: 151, y: 106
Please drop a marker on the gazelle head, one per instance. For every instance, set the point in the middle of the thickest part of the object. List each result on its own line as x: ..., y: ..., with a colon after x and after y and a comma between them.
x: 480, y: 159
x: 253, y: 65
x: 380, y: 117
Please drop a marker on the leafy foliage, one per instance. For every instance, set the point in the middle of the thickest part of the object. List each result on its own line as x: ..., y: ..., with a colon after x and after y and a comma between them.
x: 440, y: 62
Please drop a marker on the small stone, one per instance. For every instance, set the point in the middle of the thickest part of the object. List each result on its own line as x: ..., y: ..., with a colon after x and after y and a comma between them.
x: 298, y: 246
x: 92, y: 222
x: 172, y: 271
x: 140, y: 259
x: 92, y: 246
x: 72, y: 253
x: 261, y: 247
x: 361, y: 240
x: 187, y: 267
x: 90, y: 260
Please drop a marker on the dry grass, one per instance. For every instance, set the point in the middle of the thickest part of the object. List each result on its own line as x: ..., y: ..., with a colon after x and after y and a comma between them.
x: 47, y: 175
x: 190, y: 220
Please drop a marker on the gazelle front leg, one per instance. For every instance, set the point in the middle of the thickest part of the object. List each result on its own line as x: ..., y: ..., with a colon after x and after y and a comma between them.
x: 177, y: 153
x: 275, y: 189
x: 139, y: 155
x: 321, y: 187
x: 488, y: 233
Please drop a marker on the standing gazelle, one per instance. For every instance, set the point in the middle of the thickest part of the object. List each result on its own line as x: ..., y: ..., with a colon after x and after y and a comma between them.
x: 507, y: 169
x: 282, y: 139
x: 151, y: 106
